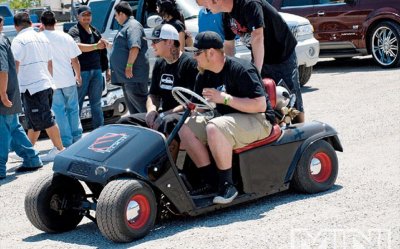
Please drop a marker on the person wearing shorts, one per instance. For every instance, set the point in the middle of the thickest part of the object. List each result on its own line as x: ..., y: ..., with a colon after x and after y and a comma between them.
x: 33, y: 60
x: 245, y: 112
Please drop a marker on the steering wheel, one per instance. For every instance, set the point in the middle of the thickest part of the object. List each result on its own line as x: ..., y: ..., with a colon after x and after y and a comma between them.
x: 179, y: 95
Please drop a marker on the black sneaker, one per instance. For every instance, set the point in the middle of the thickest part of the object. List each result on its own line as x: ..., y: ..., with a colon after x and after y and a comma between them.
x: 226, y: 195
x: 204, y: 189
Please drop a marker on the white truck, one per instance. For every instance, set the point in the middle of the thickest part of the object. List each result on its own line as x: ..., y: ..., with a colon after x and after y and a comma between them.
x: 307, y: 49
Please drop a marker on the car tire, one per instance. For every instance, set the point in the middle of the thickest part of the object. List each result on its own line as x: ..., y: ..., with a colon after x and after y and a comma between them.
x: 304, y: 74
x: 50, y: 202
x: 119, y: 201
x: 385, y: 44
x: 317, y: 169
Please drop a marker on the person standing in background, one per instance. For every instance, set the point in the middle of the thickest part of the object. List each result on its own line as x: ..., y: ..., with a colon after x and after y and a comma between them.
x: 65, y: 98
x: 128, y: 60
x: 169, y: 12
x: 12, y: 135
x: 33, y: 60
x: 93, y: 62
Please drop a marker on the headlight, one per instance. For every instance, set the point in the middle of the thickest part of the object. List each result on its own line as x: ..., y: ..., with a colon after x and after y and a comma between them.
x: 303, y: 32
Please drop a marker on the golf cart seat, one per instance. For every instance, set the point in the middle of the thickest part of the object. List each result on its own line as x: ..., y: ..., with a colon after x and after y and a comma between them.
x: 270, y: 88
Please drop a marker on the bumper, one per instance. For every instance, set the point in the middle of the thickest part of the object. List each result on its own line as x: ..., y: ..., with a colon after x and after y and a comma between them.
x: 307, y: 52
x: 113, y: 104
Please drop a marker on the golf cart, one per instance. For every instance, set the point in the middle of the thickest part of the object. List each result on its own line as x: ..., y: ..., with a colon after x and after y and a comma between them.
x: 131, y: 178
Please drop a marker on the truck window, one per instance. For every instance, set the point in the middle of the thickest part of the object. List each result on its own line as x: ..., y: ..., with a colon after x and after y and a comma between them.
x: 102, y: 10
x: 5, y: 12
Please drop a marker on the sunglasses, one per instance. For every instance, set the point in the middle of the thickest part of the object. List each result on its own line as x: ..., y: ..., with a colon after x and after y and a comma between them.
x: 155, y: 41
x: 198, y: 52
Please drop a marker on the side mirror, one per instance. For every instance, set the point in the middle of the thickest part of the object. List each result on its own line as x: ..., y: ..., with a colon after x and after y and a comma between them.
x: 154, y: 21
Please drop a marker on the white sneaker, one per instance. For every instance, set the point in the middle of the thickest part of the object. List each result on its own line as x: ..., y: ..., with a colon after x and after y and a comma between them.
x: 49, y: 157
x: 14, y: 156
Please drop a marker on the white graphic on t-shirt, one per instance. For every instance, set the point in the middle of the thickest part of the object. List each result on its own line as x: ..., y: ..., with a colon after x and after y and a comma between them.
x: 167, y: 81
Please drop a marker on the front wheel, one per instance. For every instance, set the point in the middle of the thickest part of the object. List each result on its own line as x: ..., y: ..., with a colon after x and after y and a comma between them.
x: 304, y: 74
x: 126, y: 210
x: 317, y: 169
x: 385, y: 44
x: 52, y: 203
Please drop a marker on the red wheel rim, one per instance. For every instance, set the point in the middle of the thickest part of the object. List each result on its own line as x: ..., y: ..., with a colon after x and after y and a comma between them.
x: 325, y: 170
x: 137, y: 211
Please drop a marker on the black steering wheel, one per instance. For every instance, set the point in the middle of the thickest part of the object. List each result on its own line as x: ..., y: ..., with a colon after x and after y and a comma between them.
x: 180, y: 93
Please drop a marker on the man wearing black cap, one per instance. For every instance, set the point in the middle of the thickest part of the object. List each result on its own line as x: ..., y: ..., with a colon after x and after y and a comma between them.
x: 246, y: 114
x: 173, y: 68
x: 272, y: 44
x: 93, y: 62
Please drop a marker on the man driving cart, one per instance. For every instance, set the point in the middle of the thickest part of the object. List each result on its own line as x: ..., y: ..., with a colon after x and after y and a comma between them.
x: 172, y: 69
x: 246, y: 114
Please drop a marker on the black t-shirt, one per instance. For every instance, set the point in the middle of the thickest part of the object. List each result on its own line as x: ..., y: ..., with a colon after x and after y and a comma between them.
x: 177, y: 24
x: 88, y: 60
x: 166, y: 76
x: 239, y: 78
x: 248, y: 15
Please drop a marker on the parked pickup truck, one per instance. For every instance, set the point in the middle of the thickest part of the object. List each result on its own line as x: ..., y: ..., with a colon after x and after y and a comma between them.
x: 8, y: 15
x: 307, y: 49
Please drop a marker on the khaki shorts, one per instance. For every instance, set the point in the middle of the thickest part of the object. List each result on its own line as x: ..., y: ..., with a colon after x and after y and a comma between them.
x: 240, y: 129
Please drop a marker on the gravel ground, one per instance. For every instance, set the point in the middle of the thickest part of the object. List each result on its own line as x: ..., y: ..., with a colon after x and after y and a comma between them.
x: 356, y: 97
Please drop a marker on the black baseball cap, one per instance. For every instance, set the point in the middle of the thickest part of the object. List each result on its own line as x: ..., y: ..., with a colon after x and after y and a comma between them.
x: 83, y: 9
x: 206, y: 40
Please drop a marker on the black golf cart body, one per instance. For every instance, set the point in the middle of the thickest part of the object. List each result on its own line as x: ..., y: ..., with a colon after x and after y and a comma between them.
x: 119, y: 151
x: 133, y: 178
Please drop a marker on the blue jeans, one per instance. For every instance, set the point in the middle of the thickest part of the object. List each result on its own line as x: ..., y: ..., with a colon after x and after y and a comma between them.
x: 92, y: 85
x: 288, y: 71
x: 13, y: 136
x: 66, y: 109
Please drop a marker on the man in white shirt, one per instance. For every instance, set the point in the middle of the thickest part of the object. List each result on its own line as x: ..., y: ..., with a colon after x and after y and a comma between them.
x: 65, y: 98
x: 33, y: 60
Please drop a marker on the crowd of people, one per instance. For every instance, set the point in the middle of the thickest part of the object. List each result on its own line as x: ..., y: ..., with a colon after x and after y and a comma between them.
x: 52, y: 72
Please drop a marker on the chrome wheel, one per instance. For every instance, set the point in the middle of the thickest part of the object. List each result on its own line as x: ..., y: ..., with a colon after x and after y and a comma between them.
x: 385, y: 44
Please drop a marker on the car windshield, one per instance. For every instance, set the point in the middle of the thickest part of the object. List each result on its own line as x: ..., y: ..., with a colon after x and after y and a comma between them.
x: 189, y: 8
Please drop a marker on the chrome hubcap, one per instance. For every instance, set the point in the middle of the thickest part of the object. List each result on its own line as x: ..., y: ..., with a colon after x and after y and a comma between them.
x: 315, y: 166
x: 385, y: 46
x: 132, y: 211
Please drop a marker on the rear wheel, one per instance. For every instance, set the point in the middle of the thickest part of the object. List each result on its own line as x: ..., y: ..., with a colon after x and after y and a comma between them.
x: 317, y: 169
x: 304, y: 74
x: 126, y: 210
x: 385, y: 44
x: 52, y: 203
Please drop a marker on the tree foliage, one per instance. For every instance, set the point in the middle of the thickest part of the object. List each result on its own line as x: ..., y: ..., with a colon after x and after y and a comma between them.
x: 21, y: 4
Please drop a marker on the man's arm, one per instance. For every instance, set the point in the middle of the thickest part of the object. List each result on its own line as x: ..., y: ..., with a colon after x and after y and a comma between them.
x: 91, y: 47
x: 248, y: 105
x: 257, y: 47
x: 50, y: 67
x: 229, y: 47
x: 133, y: 53
x: 3, y: 89
x: 77, y: 69
x: 17, y: 66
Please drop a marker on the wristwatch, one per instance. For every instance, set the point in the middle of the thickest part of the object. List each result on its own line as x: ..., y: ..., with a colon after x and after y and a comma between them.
x: 161, y: 115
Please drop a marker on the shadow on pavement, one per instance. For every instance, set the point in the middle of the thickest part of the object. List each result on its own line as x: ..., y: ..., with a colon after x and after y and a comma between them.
x: 88, y: 234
